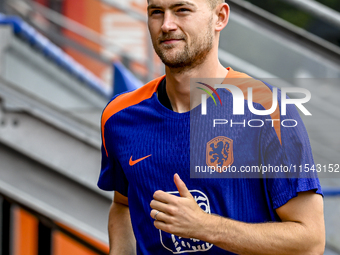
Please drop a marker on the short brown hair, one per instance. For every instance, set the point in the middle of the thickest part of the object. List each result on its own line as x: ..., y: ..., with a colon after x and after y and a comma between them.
x: 214, y: 3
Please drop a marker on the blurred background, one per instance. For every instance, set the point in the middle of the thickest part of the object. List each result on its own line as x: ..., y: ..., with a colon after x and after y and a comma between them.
x: 62, y: 60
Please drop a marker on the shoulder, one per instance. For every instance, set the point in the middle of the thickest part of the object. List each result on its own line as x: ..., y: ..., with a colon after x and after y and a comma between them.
x: 127, y: 99
x: 262, y: 92
x: 258, y: 92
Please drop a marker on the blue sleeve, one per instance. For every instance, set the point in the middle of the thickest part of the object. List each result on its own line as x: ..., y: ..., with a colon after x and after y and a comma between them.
x: 293, y: 151
x: 112, y: 176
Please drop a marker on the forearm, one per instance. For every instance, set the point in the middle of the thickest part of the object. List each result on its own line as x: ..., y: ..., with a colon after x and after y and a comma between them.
x: 262, y: 238
x: 121, y: 237
x: 302, y: 230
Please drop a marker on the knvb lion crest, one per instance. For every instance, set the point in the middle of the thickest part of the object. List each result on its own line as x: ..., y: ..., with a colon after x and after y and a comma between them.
x: 220, y: 152
x: 177, y: 244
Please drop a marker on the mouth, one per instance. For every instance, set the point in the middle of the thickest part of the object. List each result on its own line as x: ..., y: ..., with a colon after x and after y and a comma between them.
x: 170, y: 41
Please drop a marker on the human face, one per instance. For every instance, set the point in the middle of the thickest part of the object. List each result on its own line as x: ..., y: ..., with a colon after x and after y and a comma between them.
x: 181, y: 31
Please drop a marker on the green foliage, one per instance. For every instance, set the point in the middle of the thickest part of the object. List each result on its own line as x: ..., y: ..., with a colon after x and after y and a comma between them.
x: 303, y: 19
x: 285, y: 11
x: 334, y: 4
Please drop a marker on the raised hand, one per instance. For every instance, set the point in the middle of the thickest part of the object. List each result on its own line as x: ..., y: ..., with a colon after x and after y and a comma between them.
x: 178, y: 215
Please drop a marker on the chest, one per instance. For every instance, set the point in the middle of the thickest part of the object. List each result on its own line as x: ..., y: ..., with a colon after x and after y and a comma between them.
x: 150, y: 148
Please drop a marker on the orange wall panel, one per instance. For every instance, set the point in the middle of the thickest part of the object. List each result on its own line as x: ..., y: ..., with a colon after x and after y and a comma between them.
x: 74, y: 10
x: 25, y: 233
x: 64, y: 245
x: 98, y: 244
x: 87, y: 13
x: 129, y: 34
x: 93, y: 11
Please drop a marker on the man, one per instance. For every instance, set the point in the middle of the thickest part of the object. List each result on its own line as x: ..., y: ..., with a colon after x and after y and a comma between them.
x: 146, y: 157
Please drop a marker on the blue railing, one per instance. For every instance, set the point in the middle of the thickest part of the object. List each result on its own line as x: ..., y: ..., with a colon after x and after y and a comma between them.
x: 331, y: 192
x: 53, y: 52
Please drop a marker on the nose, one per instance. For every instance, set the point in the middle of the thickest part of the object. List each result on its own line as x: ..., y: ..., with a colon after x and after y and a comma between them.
x: 168, y: 23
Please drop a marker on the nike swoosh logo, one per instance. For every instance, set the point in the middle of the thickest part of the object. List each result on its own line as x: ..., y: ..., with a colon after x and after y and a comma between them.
x: 134, y: 162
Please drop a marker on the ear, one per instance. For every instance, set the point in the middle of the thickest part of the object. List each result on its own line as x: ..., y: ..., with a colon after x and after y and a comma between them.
x: 222, y: 12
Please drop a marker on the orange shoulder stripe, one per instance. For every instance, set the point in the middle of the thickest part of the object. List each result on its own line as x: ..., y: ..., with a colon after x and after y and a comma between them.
x: 128, y: 99
x: 261, y: 94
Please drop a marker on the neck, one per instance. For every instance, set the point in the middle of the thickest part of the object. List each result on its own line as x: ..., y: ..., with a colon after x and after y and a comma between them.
x: 178, y: 81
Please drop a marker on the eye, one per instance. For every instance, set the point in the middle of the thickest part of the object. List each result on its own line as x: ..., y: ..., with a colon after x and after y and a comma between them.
x: 156, y: 12
x: 183, y: 10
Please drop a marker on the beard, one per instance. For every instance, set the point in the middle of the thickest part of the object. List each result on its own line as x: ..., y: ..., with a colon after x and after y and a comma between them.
x: 188, y: 56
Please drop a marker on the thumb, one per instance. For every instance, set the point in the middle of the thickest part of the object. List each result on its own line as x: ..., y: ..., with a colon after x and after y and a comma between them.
x: 182, y: 188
